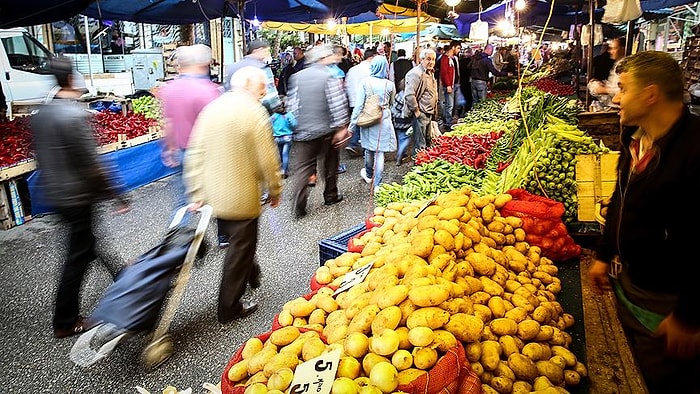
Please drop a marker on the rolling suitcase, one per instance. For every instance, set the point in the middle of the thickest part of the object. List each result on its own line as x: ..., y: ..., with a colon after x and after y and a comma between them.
x: 133, y: 302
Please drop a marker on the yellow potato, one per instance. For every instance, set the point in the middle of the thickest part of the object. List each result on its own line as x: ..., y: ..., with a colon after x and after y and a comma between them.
x: 279, y: 361
x: 553, y: 372
x: 389, y: 317
x: 522, y: 367
x: 362, y: 322
x: 238, y: 371
x: 432, y: 317
x: 430, y: 295
x: 490, y: 354
x: 393, y: 295
x: 503, y: 326
x: 284, y: 336
x: 252, y: 346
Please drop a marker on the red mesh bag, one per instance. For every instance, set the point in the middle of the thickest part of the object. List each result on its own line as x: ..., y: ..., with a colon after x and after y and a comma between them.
x: 314, y: 285
x: 353, y: 246
x: 227, y: 387
x: 452, y: 374
x: 542, y: 224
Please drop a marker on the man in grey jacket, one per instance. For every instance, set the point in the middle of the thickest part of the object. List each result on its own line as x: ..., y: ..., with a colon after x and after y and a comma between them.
x: 421, y: 97
x: 318, y: 101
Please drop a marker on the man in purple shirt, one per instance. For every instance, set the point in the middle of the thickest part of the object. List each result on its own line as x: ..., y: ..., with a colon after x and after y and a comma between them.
x: 182, y: 99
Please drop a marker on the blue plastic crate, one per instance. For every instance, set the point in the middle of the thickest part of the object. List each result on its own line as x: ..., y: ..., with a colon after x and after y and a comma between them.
x: 336, y: 245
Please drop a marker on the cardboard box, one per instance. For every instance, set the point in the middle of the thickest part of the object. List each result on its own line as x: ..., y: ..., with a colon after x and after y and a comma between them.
x: 596, y: 177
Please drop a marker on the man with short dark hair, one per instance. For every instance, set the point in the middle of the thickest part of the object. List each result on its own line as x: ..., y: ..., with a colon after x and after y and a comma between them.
x: 296, y: 65
x: 399, y: 68
x: 259, y: 56
x: 646, y: 253
x: 482, y: 65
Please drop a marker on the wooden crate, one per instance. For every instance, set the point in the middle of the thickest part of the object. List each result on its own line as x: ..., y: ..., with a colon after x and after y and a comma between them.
x: 11, y: 208
x: 604, y: 126
x: 596, y: 176
x: 6, y: 220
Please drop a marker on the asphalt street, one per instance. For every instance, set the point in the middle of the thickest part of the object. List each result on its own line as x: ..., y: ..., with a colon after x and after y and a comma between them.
x: 31, y: 256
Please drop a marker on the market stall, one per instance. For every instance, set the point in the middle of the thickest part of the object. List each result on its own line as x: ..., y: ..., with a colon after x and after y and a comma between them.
x: 126, y: 130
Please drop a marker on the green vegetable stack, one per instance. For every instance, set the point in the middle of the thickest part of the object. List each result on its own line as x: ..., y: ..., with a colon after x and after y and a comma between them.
x: 148, y: 106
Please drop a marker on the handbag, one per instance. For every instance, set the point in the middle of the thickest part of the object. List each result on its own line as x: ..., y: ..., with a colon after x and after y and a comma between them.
x: 371, y: 112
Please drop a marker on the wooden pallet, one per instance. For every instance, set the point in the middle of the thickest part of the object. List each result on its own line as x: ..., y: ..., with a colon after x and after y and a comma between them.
x: 17, y: 169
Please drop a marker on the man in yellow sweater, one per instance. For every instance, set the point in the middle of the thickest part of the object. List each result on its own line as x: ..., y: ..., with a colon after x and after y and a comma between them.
x: 231, y: 159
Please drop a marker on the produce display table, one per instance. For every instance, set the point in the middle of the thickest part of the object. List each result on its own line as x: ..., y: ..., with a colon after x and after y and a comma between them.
x: 136, y: 166
x: 611, y: 366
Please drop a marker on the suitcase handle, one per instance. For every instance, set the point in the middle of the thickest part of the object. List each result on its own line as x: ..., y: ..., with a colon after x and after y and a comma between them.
x: 205, y: 210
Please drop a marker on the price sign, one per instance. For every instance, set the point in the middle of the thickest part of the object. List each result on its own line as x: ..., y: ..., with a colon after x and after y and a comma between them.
x: 354, y: 277
x: 316, y: 375
x: 427, y: 204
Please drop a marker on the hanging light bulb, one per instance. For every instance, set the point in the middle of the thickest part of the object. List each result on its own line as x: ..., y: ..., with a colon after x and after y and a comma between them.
x: 256, y: 21
x: 452, y: 3
x: 520, y: 5
x: 331, y: 24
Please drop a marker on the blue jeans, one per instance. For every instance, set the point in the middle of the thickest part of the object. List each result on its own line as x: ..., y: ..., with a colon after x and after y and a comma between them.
x: 284, y: 145
x: 420, y: 132
x: 403, y: 140
x: 374, y: 165
x: 448, y: 106
x: 479, y: 89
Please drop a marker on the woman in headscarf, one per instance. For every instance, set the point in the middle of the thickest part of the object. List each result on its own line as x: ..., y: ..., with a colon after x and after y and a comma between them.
x: 380, y: 137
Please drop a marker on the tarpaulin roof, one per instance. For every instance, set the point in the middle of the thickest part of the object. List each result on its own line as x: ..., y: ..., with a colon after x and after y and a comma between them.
x: 31, y: 12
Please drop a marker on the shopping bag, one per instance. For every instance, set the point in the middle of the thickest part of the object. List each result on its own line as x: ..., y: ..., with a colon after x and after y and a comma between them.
x: 371, y: 112
x: 434, y: 130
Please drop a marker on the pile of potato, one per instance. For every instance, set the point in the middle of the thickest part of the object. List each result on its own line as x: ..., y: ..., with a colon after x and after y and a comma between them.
x: 457, y: 272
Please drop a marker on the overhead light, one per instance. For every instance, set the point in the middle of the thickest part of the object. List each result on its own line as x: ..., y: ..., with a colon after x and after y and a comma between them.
x: 520, y: 5
x: 256, y: 21
x: 331, y: 24
x: 452, y: 3
x: 385, y: 31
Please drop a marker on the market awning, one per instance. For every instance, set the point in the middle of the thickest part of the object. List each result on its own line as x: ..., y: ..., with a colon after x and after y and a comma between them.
x: 380, y: 26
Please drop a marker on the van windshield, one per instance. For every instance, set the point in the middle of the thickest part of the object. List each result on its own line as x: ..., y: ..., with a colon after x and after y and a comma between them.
x: 25, y: 53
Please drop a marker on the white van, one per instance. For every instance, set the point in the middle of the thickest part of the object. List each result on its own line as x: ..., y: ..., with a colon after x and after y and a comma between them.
x: 24, y: 74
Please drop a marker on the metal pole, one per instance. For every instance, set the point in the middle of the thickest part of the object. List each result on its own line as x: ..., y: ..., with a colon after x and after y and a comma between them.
x: 89, y: 51
x: 589, y: 50
x: 416, y: 55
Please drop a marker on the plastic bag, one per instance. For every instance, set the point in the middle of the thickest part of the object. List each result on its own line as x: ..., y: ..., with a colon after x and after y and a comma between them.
x: 542, y: 223
x: 621, y: 11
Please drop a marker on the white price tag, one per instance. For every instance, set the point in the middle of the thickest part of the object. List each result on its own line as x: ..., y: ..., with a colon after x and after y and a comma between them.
x: 316, y: 375
x: 354, y: 277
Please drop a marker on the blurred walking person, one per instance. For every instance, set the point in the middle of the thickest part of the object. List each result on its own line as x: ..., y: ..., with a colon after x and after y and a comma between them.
x: 73, y: 179
x: 232, y: 157
x: 182, y: 100
x: 319, y: 103
x: 380, y: 137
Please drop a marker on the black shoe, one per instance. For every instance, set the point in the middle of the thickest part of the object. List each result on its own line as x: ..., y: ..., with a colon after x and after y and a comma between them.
x: 338, y: 199
x: 223, y: 241
x: 245, y: 308
x: 299, y: 213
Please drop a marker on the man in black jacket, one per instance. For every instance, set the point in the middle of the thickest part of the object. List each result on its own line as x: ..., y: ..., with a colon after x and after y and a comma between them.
x: 482, y: 65
x: 648, y: 243
x: 73, y: 179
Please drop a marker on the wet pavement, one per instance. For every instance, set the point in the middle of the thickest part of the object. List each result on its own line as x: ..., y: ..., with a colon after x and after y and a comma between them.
x: 31, y: 256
